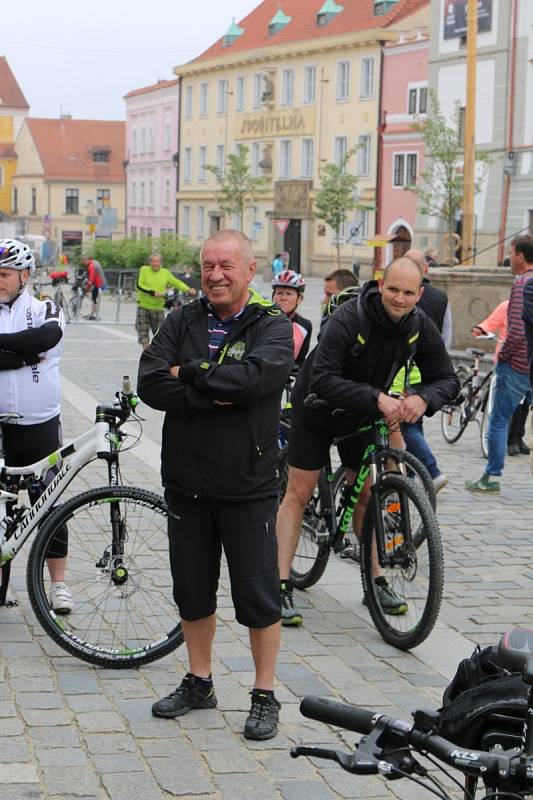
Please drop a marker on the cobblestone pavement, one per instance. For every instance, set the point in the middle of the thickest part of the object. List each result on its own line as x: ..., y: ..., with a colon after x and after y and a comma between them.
x: 75, y: 731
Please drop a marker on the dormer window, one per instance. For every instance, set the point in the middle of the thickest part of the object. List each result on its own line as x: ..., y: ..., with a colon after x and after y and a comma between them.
x: 232, y: 34
x: 329, y: 11
x: 100, y: 155
x: 382, y: 7
x: 278, y: 22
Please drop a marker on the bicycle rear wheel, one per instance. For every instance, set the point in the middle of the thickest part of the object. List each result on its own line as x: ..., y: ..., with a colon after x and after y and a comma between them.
x: 119, y: 576
x: 412, y: 564
x: 312, y: 552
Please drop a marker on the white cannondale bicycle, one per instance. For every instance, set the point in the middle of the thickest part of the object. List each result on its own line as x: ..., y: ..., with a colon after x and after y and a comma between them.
x: 117, y: 562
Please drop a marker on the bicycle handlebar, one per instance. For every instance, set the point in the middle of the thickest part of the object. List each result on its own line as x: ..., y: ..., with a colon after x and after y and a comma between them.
x: 385, y: 737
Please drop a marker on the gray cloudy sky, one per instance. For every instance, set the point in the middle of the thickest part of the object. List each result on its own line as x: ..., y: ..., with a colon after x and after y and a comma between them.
x: 84, y: 56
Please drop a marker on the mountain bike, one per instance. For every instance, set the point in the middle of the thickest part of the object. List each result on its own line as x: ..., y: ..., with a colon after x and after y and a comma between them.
x: 399, y: 526
x: 40, y: 292
x: 474, y: 402
x: 503, y: 762
x: 79, y: 305
x: 117, y: 563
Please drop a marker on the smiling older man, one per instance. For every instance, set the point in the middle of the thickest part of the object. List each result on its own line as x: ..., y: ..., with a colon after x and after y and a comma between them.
x: 218, y: 368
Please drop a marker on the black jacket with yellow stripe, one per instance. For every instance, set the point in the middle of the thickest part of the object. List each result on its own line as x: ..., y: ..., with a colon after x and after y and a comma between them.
x: 225, y: 452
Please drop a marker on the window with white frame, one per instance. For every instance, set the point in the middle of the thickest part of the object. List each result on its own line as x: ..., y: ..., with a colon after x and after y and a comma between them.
x: 309, y: 84
x: 343, y: 80
x: 167, y: 136
x: 367, y: 77
x: 133, y: 231
x: 187, y: 164
x: 254, y: 213
x: 222, y: 97
x: 220, y: 157
x: 258, y: 89
x: 202, y: 161
x: 287, y: 87
x: 418, y: 100
x: 341, y: 148
x: 142, y: 149
x: 285, y: 158
x: 166, y: 193
x: 134, y: 142
x: 255, y: 157
x: 200, y: 222
x: 203, y: 99
x: 151, y: 193
x: 405, y: 170
x: 363, y: 155
x: 188, y: 102
x: 186, y: 221
x: 307, y: 158
x: 142, y: 200
x: 133, y: 201
x: 239, y: 93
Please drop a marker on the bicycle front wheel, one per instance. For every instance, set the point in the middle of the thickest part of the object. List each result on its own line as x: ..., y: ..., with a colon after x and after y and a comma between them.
x: 118, y: 573
x: 59, y: 300
x: 405, y: 609
x: 312, y: 552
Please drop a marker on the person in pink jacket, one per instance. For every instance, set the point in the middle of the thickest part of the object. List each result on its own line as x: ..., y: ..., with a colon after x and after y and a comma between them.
x: 496, y: 323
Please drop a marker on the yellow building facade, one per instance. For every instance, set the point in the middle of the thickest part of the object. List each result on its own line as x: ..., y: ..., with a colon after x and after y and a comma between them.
x: 296, y: 106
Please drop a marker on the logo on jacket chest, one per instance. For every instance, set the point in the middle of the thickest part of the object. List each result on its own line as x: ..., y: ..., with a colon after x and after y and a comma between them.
x: 236, y: 351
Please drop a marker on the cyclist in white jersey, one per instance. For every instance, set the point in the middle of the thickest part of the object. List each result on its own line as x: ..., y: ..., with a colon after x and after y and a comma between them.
x: 30, y: 346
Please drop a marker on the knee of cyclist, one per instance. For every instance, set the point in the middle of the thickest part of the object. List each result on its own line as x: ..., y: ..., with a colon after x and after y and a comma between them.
x: 298, y: 494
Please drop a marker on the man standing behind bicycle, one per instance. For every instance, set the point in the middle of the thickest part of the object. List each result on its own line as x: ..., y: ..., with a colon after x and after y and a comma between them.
x: 30, y: 336
x: 357, y: 377
x: 152, y: 281
x: 218, y: 369
x: 512, y: 378
x: 95, y: 282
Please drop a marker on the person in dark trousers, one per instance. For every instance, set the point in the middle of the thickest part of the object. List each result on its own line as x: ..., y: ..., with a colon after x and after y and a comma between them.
x: 512, y: 371
x: 527, y: 317
x: 435, y: 303
x: 218, y: 367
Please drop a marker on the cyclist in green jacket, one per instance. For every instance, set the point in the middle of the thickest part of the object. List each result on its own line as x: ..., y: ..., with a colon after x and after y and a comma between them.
x: 152, y: 281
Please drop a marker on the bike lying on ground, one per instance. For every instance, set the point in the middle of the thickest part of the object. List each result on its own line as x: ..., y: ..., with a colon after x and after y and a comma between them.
x: 388, y: 746
x: 474, y: 402
x: 117, y: 562
x: 399, y: 528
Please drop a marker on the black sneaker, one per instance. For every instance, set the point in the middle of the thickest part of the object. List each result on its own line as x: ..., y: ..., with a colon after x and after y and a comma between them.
x: 262, y: 722
x: 290, y: 615
x: 188, y: 695
x: 390, y: 602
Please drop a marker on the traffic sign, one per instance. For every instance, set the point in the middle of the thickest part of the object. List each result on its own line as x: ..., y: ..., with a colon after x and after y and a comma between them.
x: 376, y: 242
x: 282, y: 224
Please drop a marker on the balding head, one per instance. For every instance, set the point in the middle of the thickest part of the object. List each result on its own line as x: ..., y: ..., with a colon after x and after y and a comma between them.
x: 403, y: 264
x: 229, y: 234
x: 418, y: 257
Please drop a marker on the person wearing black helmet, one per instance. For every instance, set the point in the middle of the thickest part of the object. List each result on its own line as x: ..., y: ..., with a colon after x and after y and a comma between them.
x: 288, y: 293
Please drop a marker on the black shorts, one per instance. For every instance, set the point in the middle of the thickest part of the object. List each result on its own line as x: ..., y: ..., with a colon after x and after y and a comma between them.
x: 198, y: 530
x: 309, y: 445
x: 94, y: 293
x: 26, y: 444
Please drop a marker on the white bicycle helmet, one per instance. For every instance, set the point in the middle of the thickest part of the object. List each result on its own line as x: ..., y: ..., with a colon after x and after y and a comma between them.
x: 16, y: 255
x: 290, y: 279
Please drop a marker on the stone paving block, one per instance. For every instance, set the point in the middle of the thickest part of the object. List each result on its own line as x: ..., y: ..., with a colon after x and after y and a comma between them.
x: 244, y: 787
x: 62, y: 757
x: 39, y: 718
x: 219, y: 762
x: 125, y: 786
x: 99, y: 721
x: 279, y: 766
x: 17, y: 773
x: 117, y: 762
x: 7, y: 709
x: 214, y: 740
x: 107, y: 743
x: 46, y: 736
x: 13, y: 749
x: 38, y: 700
x: 358, y: 786
x: 304, y: 790
x: 88, y: 702
x: 181, y: 777
x: 78, y: 682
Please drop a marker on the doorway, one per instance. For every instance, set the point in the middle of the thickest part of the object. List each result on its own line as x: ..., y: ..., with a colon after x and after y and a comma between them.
x: 292, y: 243
x: 402, y: 241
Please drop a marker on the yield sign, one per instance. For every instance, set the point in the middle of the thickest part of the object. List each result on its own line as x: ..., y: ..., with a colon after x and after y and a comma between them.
x: 282, y: 224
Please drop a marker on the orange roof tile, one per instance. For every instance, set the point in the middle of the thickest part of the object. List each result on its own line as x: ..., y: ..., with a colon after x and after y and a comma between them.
x: 357, y: 15
x: 10, y: 92
x: 161, y: 84
x: 66, y: 146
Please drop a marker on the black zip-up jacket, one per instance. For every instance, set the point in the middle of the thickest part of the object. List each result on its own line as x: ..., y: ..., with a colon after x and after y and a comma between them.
x: 350, y: 376
x: 224, y: 452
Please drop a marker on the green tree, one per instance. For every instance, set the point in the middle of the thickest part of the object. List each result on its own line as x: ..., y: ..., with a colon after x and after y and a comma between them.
x: 134, y: 253
x: 336, y: 196
x: 238, y: 188
x: 440, y: 186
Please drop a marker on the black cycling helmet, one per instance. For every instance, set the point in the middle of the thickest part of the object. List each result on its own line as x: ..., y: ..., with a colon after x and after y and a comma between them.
x: 339, y: 298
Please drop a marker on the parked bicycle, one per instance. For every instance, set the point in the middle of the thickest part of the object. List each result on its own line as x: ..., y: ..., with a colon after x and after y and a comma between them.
x: 117, y: 563
x: 502, y: 761
x: 474, y: 402
x: 79, y: 305
x: 41, y: 291
x: 399, y: 526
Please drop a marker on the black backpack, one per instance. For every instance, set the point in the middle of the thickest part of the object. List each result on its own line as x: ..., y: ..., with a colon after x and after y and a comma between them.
x: 484, y: 704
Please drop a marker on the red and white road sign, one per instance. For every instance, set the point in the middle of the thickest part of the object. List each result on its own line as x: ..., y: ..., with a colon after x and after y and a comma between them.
x: 282, y: 224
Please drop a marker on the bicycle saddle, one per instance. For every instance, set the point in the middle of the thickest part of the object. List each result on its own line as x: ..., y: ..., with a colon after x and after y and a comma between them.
x: 473, y: 351
x: 515, y: 648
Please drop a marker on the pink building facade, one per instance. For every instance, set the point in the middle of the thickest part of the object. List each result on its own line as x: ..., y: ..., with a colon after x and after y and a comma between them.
x: 404, y: 101
x: 152, y: 146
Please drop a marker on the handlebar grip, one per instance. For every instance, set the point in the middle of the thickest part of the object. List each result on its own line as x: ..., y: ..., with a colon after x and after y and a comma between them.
x: 126, y: 384
x: 351, y: 718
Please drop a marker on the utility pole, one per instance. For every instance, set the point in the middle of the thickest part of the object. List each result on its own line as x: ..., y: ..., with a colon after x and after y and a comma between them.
x: 470, y: 135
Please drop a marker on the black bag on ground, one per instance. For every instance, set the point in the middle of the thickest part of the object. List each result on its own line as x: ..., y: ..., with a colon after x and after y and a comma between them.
x: 484, y: 703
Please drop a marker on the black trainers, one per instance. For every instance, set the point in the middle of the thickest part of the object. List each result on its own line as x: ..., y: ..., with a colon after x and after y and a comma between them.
x: 262, y: 722
x: 390, y: 602
x: 290, y: 615
x: 188, y: 695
